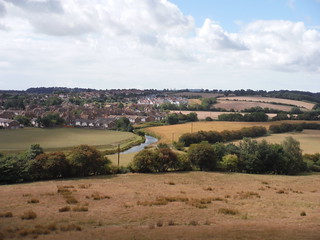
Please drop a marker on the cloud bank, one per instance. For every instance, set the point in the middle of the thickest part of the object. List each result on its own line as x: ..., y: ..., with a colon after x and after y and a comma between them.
x: 147, y: 44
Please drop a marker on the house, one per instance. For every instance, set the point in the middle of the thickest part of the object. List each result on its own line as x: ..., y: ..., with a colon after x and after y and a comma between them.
x: 8, y: 123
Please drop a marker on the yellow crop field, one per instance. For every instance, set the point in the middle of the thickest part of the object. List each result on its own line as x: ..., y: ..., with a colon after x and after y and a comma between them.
x: 171, y: 133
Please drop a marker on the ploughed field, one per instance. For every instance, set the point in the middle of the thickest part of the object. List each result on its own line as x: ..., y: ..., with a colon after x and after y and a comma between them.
x: 194, y: 205
x: 274, y: 101
x: 59, y: 139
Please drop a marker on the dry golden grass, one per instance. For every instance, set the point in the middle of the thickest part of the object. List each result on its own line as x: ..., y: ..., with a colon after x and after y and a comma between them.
x: 171, y: 133
x: 309, y: 139
x: 242, y: 105
x: 190, y: 209
x: 302, y: 104
x: 202, y: 115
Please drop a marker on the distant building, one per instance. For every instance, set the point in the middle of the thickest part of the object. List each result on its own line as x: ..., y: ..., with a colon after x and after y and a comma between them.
x: 9, y: 124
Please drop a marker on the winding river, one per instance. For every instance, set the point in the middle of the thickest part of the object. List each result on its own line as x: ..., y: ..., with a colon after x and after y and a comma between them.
x: 138, y: 148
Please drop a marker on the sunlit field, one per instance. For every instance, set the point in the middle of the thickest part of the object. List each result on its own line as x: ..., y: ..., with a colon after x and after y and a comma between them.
x: 172, y: 133
x: 195, y: 205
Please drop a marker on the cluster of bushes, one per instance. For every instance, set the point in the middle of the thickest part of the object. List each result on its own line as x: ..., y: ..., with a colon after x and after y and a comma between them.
x: 298, y: 115
x: 249, y: 117
x: 34, y: 164
x: 288, y: 127
x: 175, y: 118
x: 313, y: 161
x: 161, y: 159
x: 213, y: 136
x: 249, y: 157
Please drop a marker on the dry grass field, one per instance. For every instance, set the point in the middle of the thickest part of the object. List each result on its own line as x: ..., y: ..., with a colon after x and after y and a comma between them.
x: 242, y: 105
x: 191, y: 206
x: 309, y: 140
x: 171, y: 133
x: 60, y: 139
x: 214, y: 115
x: 301, y: 104
x: 195, y: 94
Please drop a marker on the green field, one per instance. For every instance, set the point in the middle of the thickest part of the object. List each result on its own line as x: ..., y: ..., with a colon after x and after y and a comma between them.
x: 59, y: 139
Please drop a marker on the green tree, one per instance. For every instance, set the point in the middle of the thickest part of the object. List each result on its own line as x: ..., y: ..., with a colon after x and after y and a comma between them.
x: 123, y: 124
x: 86, y: 160
x: 144, y: 161
x: 25, y: 121
x: 48, y: 166
x: 229, y: 163
x: 172, y: 119
x: 202, y: 155
x: 293, y: 155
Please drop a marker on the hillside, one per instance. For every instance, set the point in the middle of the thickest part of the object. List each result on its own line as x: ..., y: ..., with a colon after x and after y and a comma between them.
x: 196, y: 205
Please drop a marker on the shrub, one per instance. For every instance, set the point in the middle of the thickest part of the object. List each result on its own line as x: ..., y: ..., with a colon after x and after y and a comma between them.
x: 229, y: 163
x: 28, y: 215
x: 80, y: 209
x: 6, y: 215
x: 228, y: 211
x: 33, y: 200
x: 303, y: 213
x: 64, y: 209
x: 203, y: 156
x: 159, y: 223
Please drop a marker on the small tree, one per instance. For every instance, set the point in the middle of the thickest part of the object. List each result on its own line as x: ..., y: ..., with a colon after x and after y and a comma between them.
x: 144, y: 161
x: 86, y: 160
x: 293, y: 155
x: 202, y: 155
x: 229, y: 163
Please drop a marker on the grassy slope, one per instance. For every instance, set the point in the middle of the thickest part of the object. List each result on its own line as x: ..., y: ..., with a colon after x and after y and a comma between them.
x: 269, y: 207
x: 60, y: 138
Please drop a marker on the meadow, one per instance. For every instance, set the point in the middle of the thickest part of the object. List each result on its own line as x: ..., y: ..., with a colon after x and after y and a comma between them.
x: 188, y: 205
x: 61, y: 139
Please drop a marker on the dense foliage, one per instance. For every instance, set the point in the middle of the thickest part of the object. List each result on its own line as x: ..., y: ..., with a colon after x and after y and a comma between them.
x: 249, y: 117
x: 34, y: 164
x: 175, y: 118
x: 213, y: 136
x: 250, y: 157
x: 289, y: 127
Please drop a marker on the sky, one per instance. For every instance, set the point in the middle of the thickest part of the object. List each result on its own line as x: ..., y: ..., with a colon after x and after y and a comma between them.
x: 174, y: 44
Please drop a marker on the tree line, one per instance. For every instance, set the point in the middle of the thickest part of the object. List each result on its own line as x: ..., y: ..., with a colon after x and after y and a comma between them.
x: 227, y: 135
x: 34, y: 164
x: 250, y: 156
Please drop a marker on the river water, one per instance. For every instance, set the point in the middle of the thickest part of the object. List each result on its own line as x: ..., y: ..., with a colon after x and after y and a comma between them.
x: 138, y: 148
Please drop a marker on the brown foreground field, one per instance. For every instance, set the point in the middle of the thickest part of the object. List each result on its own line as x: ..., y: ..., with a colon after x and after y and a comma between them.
x: 195, y: 205
x: 171, y: 133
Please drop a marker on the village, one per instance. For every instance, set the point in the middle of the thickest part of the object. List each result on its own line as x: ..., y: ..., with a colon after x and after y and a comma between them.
x: 88, y: 109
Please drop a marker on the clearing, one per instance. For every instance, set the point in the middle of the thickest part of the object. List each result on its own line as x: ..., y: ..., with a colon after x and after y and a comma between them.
x: 195, y: 205
x: 60, y: 139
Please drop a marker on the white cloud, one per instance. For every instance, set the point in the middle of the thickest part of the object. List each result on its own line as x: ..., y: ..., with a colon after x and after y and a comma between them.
x: 148, y: 43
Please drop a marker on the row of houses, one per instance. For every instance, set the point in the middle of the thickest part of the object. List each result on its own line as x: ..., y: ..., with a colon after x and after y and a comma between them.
x: 9, y: 123
x: 109, y: 122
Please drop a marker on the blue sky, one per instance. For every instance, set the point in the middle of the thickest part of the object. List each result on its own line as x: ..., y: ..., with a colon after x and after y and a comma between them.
x: 211, y: 44
x: 229, y: 13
